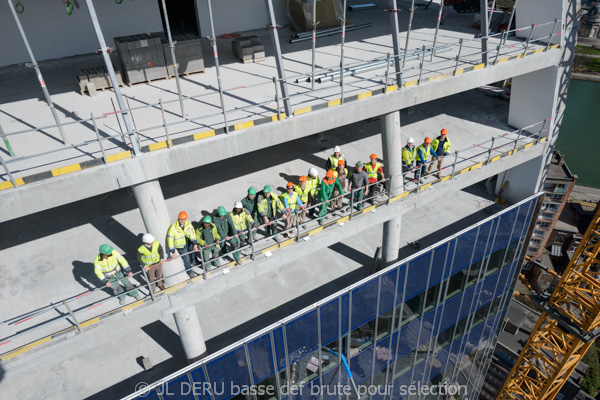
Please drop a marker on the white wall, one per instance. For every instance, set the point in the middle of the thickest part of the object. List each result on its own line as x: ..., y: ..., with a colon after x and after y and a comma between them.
x: 540, y: 12
x: 523, y: 180
x: 54, y: 34
x: 238, y: 15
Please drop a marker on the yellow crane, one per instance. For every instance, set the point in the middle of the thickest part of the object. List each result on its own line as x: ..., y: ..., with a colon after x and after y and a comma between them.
x: 565, y: 331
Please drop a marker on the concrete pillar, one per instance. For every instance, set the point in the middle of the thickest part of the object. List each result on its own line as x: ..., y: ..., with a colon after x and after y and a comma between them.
x: 392, y: 157
x: 153, y: 208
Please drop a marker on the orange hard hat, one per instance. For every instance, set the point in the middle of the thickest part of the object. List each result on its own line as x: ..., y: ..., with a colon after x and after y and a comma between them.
x: 341, y: 162
x: 289, y: 185
x: 427, y: 139
x: 303, y: 178
x: 183, y: 215
x: 373, y: 155
x: 330, y: 174
x: 444, y: 132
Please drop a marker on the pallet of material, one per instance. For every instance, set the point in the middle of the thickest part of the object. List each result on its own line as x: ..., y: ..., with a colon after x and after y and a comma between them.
x: 142, y: 58
x: 187, y: 73
x: 96, y: 79
x: 248, y: 49
x: 188, y: 53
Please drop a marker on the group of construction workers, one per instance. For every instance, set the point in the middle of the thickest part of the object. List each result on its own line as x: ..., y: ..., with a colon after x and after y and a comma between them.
x: 226, y: 232
x: 436, y: 149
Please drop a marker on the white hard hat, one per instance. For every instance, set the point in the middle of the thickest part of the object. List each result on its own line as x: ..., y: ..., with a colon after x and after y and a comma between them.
x: 337, y: 149
x: 313, y: 172
x: 148, y: 238
x: 410, y: 140
x: 238, y: 204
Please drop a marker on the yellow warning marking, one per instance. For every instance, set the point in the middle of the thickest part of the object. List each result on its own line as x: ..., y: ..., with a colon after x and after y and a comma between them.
x: 445, y: 178
x: 119, y: 156
x: 425, y: 186
x: 24, y: 348
x: 538, y: 51
x: 459, y: 71
x: 203, y: 135
x: 364, y: 95
x: 8, y: 184
x: 510, y: 152
x: 90, y: 322
x: 478, y: 66
x: 66, y: 170
x: 474, y: 167
x: 343, y: 219
x: 496, y: 158
x: 391, y: 88
x: 243, y: 125
x: 520, y: 56
x: 174, y: 288
x: 315, y: 230
x: 270, y: 248
x: 276, y: 117
x: 553, y: 47
x: 285, y: 243
x: 158, y: 146
x: 303, y: 110
x: 542, y: 139
x: 502, y: 60
x: 335, y: 102
x: 411, y: 83
x: 462, y: 171
x: 528, y: 145
x: 132, y: 305
x: 368, y: 209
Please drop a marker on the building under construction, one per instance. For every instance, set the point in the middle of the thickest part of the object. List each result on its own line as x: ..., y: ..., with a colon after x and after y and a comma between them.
x: 117, y: 116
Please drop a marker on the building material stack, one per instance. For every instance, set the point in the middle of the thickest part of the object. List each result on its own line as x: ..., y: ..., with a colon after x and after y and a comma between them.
x: 188, y: 53
x: 142, y: 57
x: 248, y: 49
x: 96, y: 78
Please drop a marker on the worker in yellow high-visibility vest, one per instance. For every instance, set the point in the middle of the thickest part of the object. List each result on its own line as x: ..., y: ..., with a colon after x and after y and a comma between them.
x: 409, y: 153
x: 303, y: 190
x: 441, y: 147
x: 291, y: 202
x: 423, y: 154
x: 374, y: 171
x: 243, y: 221
x: 150, y: 256
x: 110, y: 267
x: 334, y: 159
x: 181, y: 238
x: 313, y: 181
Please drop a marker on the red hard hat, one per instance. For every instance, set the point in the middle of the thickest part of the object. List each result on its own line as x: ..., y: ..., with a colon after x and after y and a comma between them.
x: 341, y: 162
x: 183, y: 215
x: 289, y: 185
x: 427, y: 139
x: 444, y: 132
x: 303, y: 178
x: 373, y: 155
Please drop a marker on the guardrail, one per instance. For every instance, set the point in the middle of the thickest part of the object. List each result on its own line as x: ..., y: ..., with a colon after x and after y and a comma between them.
x: 391, y: 189
x: 502, y: 52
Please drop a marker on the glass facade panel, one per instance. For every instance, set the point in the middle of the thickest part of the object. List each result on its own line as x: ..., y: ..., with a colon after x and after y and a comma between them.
x: 448, y: 308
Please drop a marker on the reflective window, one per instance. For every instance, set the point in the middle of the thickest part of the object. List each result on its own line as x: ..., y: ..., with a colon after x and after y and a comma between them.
x: 412, y: 308
x: 456, y: 283
x: 362, y: 337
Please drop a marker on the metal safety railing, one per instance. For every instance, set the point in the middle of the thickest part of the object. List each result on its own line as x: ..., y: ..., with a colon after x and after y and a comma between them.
x: 166, y: 131
x: 380, y: 193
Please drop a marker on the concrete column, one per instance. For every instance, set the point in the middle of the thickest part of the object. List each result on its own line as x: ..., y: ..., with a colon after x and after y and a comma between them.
x: 392, y: 157
x: 153, y: 208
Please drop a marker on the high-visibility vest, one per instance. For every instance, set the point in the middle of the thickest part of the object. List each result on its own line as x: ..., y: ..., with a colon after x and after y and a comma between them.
x: 176, y: 235
x: 336, y: 172
x: 408, y: 155
x: 109, y: 267
x: 150, y: 256
x: 291, y: 200
x: 263, y: 205
x: 213, y: 230
x: 372, y: 171
x: 241, y: 220
x: 334, y: 161
x: 436, y: 143
x: 303, y: 193
x: 314, y: 184
x: 426, y: 152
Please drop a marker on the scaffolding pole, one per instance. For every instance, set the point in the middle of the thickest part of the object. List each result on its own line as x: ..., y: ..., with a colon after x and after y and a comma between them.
x: 314, y: 41
x: 111, y: 72
x: 342, y: 50
x: 38, y: 73
x: 6, y: 142
x: 485, y: 32
x: 437, y: 29
x: 213, y: 40
x: 175, y: 66
x: 410, y: 19
x: 393, y: 10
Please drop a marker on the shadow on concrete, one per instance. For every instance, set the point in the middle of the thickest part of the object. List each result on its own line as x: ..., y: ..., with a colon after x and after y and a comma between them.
x: 166, y: 338
x: 83, y: 273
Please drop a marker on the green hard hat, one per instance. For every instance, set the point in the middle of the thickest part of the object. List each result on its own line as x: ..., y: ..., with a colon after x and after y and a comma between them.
x: 360, y: 164
x: 106, y: 249
x: 207, y: 220
x: 267, y: 189
x: 221, y: 211
x: 251, y: 190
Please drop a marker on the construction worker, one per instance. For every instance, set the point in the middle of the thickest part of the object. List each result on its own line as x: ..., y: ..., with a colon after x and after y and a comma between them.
x: 181, y: 237
x: 243, y: 221
x: 341, y: 174
x: 332, y: 161
x: 408, y: 158
x: 359, y: 182
x: 326, y: 192
x: 441, y: 147
x: 110, y: 267
x: 374, y: 170
x: 150, y: 256
x: 229, y: 234
x: 314, y: 183
x: 291, y: 201
x: 249, y: 203
x: 423, y: 152
x: 209, y: 238
x: 268, y: 204
x: 303, y: 190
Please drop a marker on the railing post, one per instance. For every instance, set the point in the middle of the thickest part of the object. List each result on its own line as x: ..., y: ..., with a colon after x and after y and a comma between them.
x: 203, y: 263
x: 541, y: 131
x: 6, y: 142
x: 162, y: 112
x: 454, y: 164
x: 387, y: 74
x: 213, y: 40
x: 421, y: 66
x: 460, y: 46
x: 419, y: 177
x: 551, y: 34
x: 490, y: 151
x: 510, y: 20
x: 72, y: 315
x: 98, y: 137
x: 528, y: 39
x: 517, y: 141
x: 391, y: 183
x: 498, y: 50
x: 352, y: 202
x: 251, y: 242
x: 148, y: 283
x: 297, y: 214
x: 277, y: 99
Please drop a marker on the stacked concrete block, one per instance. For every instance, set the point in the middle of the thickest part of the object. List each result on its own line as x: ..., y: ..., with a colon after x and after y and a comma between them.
x: 248, y: 49
x: 142, y: 58
x: 96, y: 78
x: 188, y: 52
